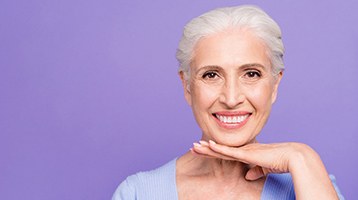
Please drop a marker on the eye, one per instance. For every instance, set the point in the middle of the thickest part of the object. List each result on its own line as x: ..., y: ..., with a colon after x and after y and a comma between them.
x: 210, y: 75
x: 253, y: 74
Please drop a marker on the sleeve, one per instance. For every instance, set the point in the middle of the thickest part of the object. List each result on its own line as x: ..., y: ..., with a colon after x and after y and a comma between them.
x: 125, y: 191
x: 333, y: 179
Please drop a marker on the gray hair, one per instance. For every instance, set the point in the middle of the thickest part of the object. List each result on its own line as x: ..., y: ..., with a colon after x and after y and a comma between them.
x: 215, y: 21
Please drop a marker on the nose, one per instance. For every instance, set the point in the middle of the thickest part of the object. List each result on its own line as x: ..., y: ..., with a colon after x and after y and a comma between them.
x: 231, y: 93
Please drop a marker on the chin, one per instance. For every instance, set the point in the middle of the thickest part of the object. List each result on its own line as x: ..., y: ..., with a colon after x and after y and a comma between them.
x: 234, y: 141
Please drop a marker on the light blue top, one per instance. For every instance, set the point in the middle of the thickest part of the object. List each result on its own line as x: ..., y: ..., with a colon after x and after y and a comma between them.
x: 160, y: 184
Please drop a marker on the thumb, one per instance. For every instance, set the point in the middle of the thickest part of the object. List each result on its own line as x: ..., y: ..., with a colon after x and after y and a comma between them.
x: 254, y: 173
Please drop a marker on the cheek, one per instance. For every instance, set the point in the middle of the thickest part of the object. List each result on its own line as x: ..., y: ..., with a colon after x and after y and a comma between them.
x: 260, y: 96
x: 203, y: 96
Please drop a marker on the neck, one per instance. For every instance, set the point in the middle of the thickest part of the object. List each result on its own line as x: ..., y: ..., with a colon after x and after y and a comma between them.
x: 194, y: 165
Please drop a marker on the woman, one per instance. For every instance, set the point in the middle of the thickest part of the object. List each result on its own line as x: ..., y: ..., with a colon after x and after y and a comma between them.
x: 231, y: 66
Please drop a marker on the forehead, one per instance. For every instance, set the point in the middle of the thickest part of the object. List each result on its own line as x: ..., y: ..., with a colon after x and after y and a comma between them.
x: 229, y: 49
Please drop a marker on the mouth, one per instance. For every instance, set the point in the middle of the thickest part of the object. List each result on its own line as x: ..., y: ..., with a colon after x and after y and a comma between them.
x: 231, y: 120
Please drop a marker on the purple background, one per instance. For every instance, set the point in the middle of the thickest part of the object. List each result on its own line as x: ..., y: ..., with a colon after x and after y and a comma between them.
x: 90, y: 92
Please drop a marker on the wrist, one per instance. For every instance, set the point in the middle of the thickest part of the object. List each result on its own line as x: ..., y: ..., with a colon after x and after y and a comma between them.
x: 310, y: 178
x: 303, y: 157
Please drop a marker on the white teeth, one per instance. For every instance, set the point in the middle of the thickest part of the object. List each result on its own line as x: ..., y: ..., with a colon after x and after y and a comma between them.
x: 232, y: 119
x: 221, y: 118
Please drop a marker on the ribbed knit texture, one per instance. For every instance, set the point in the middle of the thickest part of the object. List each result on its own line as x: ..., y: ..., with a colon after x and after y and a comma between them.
x: 160, y: 184
x: 278, y: 186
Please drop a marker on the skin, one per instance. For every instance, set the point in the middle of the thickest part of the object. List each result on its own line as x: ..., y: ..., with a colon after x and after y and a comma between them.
x: 231, y: 73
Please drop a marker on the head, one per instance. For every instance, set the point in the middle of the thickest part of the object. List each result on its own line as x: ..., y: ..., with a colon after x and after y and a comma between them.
x: 231, y: 65
x: 221, y: 19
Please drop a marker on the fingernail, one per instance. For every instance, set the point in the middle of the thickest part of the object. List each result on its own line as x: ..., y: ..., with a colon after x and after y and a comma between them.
x: 196, y: 144
x: 202, y: 142
x: 212, y: 142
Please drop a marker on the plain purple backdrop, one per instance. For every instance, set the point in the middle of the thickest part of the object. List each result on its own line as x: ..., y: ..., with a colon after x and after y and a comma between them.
x: 90, y: 92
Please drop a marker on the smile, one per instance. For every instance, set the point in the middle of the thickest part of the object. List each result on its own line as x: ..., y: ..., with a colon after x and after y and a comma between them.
x: 231, y: 120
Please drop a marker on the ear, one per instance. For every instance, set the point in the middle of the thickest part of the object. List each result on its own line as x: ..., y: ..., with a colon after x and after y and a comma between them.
x: 275, y: 89
x: 186, y: 88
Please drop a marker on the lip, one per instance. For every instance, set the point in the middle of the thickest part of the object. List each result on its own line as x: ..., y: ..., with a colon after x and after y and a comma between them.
x: 231, y: 125
x: 227, y: 113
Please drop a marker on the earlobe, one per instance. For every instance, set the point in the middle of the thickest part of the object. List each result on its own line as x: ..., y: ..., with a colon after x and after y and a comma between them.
x: 275, y: 89
x: 186, y: 87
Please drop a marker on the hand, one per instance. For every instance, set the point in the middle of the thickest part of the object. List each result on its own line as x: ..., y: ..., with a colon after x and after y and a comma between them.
x: 266, y: 158
x: 309, y: 175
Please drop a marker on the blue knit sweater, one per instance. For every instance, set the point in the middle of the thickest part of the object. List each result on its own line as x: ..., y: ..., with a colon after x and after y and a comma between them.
x: 160, y: 184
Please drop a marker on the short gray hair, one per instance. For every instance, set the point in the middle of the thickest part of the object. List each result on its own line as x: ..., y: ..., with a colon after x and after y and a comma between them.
x: 220, y: 19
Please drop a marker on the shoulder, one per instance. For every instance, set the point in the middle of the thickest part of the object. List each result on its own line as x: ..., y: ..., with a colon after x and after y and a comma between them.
x: 280, y: 186
x: 149, y: 184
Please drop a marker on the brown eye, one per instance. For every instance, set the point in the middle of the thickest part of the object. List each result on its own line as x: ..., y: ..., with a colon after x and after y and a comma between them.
x: 210, y: 75
x: 253, y: 74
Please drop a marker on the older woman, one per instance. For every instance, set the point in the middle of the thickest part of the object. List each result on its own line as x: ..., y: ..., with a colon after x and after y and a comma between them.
x: 231, y: 66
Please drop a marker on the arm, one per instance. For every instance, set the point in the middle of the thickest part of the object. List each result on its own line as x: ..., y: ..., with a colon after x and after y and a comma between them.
x: 309, y: 175
x: 310, y: 178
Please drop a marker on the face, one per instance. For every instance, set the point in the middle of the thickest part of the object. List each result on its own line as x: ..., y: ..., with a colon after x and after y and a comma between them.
x: 231, y: 87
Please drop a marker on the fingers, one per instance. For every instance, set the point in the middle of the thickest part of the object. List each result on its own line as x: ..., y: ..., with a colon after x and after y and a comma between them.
x: 232, y: 152
x: 199, y: 154
x: 207, y: 150
x: 202, y: 148
x: 271, y: 157
x: 255, y: 153
x: 255, y: 173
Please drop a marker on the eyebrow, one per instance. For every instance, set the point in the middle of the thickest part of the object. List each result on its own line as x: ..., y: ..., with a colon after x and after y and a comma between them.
x: 209, y: 67
x: 217, y: 67
x: 252, y: 65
